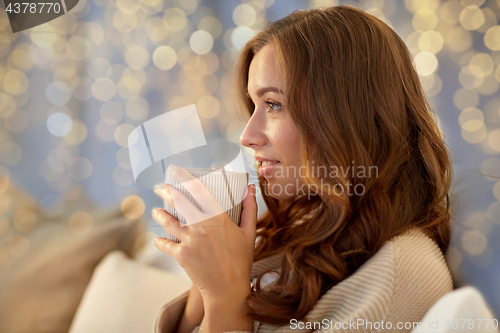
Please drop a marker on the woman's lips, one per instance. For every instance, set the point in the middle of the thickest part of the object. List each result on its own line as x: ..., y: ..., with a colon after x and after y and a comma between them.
x: 264, y: 170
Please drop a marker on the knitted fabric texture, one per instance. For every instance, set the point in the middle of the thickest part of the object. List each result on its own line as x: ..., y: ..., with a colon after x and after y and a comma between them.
x: 398, y: 284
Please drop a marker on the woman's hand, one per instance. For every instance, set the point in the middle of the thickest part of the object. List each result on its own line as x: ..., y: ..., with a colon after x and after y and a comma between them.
x: 215, y: 253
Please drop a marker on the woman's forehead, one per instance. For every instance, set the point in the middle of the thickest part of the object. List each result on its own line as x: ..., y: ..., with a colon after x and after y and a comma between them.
x: 263, y: 71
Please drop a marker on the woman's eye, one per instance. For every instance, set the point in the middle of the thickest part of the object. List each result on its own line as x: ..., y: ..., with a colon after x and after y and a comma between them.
x: 273, y: 106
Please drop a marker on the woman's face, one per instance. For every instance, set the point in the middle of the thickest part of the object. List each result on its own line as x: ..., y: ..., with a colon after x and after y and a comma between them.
x: 270, y: 132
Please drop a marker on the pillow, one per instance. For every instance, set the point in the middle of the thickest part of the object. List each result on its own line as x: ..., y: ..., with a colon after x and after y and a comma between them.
x: 126, y: 296
x: 459, y: 308
x: 48, y: 262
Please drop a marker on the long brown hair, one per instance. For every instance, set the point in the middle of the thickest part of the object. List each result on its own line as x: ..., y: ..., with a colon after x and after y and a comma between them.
x: 355, y: 97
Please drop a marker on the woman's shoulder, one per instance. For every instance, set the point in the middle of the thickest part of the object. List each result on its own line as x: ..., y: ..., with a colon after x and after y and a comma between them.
x: 422, y: 275
x: 419, y: 263
x: 406, y: 259
x: 409, y: 264
x: 399, y: 283
x: 413, y: 247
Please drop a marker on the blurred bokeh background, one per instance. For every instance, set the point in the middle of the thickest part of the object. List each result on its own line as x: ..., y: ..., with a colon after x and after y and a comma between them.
x: 71, y: 90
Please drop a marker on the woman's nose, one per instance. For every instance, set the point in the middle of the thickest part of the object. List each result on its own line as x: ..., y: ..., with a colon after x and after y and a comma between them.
x: 253, y: 135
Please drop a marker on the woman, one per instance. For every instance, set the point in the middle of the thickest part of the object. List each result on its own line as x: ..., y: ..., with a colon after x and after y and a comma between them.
x: 332, y: 93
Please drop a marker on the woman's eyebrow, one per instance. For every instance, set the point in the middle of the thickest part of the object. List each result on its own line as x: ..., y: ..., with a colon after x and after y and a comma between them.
x: 262, y: 91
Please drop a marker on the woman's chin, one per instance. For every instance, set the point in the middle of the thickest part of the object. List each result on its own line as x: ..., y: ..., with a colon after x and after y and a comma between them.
x: 280, y: 191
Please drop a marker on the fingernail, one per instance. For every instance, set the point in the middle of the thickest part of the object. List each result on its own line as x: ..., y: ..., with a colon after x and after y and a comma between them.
x: 156, y: 210
x: 156, y: 238
x: 159, y: 187
x: 172, y: 168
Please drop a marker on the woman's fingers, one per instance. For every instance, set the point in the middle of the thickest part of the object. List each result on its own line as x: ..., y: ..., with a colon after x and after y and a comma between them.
x: 169, y: 223
x: 196, y: 188
x: 185, y: 207
x: 165, y: 245
x: 163, y: 190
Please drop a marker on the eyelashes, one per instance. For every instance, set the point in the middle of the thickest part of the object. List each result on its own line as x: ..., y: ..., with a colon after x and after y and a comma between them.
x: 273, y: 106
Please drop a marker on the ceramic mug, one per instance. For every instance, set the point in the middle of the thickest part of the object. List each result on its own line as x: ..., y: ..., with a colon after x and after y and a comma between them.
x: 227, y: 187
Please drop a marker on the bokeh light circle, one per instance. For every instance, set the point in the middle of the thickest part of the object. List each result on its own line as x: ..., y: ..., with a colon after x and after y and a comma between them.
x: 15, y: 82
x: 481, y: 65
x: 468, y: 80
x: 491, y: 168
x: 201, y: 42
x: 471, y: 119
x: 59, y: 124
x: 431, y: 41
x: 137, y: 108
x: 137, y: 57
x: 80, y: 222
x: 164, y: 57
x: 471, y: 17
x: 104, y: 89
x: 77, y: 134
x: 121, y: 134
x: 174, y: 19
x: 8, y: 105
x: 492, y: 38
x: 426, y: 63
x: 133, y: 207
x: 78, y: 48
x: 424, y: 20
x: 212, y: 25
x: 474, y: 242
x: 240, y: 36
x: 244, y: 14
x: 208, y: 106
x: 494, y: 139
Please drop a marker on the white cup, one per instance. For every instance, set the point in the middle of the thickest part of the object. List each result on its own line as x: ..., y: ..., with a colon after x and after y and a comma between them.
x: 227, y: 187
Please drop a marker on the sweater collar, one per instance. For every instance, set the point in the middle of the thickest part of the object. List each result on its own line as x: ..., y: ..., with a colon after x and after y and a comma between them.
x: 262, y: 265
